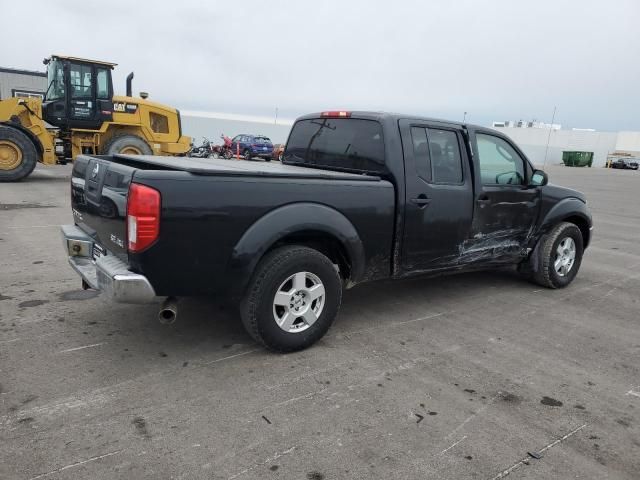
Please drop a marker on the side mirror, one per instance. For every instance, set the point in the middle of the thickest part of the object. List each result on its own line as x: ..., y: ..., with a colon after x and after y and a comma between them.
x: 539, y: 179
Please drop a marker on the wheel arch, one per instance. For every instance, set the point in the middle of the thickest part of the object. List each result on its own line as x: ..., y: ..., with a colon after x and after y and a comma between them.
x: 115, y: 131
x: 314, y: 225
x: 570, y: 210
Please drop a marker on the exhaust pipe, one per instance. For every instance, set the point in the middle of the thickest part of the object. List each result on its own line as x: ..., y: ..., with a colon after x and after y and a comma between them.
x: 129, y: 87
x: 168, y: 311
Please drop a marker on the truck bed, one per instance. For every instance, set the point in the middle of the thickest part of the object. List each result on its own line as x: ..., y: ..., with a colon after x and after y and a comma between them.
x: 234, y: 168
x: 212, y: 208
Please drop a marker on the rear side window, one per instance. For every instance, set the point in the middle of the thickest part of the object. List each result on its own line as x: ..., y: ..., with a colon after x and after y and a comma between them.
x: 446, y: 165
x: 437, y: 155
x: 102, y: 78
x: 342, y: 143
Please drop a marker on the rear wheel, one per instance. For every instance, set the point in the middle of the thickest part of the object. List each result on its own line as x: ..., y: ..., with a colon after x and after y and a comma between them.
x: 127, y: 145
x: 292, y: 299
x: 556, y: 259
x: 18, y: 155
x: 281, y: 156
x: 247, y: 154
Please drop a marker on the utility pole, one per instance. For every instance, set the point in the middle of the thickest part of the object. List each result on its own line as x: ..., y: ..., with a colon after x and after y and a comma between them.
x: 276, y: 119
x: 553, y: 117
x: 464, y: 117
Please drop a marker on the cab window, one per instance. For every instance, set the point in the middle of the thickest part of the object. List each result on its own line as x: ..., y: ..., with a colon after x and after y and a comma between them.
x: 80, y: 80
x: 444, y: 150
x: 102, y: 81
x: 500, y: 164
x: 437, y: 155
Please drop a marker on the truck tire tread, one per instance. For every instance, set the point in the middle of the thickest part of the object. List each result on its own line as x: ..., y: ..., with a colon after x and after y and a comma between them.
x: 271, y: 271
x: 540, y: 268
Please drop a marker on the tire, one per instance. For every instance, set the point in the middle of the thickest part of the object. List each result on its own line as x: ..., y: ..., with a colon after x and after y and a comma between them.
x: 281, y: 156
x: 247, y: 154
x: 127, y: 145
x: 279, y: 275
x: 267, y: 159
x: 18, y: 154
x: 228, y: 154
x: 552, y: 263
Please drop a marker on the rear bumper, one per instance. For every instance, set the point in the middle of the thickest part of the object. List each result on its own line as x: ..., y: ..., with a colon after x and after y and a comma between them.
x: 108, y: 273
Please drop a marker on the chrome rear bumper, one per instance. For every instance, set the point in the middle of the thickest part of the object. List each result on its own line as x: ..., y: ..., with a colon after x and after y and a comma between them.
x: 107, y: 273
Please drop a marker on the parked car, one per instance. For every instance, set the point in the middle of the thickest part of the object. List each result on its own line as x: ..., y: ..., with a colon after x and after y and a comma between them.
x: 359, y: 197
x: 625, y: 163
x: 278, y: 151
x: 252, y: 146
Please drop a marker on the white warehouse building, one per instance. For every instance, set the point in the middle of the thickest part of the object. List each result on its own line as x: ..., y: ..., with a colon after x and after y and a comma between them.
x: 533, y: 141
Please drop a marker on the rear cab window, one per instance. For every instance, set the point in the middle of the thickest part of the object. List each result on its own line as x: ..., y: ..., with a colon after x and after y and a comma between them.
x: 347, y: 144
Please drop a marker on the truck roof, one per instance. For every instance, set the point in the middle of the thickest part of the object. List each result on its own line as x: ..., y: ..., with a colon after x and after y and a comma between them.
x: 373, y: 115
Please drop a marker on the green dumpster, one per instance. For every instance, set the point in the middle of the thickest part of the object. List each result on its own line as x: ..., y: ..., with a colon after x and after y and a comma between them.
x: 577, y: 159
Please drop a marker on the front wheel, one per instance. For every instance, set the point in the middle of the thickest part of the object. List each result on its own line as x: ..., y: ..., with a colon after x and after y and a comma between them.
x: 555, y: 261
x: 18, y: 155
x: 292, y: 299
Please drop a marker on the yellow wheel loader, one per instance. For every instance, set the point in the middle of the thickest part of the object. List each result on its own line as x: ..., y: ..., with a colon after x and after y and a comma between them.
x: 80, y: 114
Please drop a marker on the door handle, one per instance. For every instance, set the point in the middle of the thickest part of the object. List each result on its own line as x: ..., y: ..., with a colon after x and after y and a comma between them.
x: 483, y: 200
x: 421, y: 200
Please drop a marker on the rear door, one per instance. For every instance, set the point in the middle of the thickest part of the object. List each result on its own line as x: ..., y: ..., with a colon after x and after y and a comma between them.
x: 439, y: 195
x: 506, y: 207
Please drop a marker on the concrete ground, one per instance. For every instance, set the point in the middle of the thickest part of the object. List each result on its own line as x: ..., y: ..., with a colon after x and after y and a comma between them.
x: 451, y: 378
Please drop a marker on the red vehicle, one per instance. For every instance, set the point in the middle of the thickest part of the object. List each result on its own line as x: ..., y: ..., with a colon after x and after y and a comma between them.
x: 278, y: 151
x: 223, y: 150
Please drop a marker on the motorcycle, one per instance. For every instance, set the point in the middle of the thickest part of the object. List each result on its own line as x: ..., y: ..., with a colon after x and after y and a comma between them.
x: 223, y: 150
x: 203, y: 151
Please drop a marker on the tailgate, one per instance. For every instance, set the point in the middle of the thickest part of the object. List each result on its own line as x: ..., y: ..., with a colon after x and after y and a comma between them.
x: 99, y: 191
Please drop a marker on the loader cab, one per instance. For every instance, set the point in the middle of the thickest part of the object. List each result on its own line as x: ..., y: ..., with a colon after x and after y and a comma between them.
x: 79, y: 93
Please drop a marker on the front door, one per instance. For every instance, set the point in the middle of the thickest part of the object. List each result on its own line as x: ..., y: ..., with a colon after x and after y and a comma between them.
x: 439, y: 195
x: 506, y: 206
x: 81, y: 100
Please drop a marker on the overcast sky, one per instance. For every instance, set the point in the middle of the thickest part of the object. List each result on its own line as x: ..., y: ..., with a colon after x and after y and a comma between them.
x: 497, y: 60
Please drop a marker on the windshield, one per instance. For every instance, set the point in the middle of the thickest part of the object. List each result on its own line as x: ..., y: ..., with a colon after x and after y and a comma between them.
x: 55, y: 80
x: 343, y: 143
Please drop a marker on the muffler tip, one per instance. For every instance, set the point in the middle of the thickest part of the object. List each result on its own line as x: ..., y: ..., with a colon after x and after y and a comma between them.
x: 168, y: 311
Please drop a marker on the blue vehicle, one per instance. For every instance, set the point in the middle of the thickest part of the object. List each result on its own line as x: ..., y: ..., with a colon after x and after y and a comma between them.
x: 252, y: 146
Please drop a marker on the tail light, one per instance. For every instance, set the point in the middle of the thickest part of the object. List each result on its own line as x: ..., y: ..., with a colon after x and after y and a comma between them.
x: 143, y: 217
x: 339, y: 114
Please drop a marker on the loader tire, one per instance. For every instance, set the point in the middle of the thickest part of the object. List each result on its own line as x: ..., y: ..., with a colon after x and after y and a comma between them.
x: 126, y: 145
x: 18, y: 155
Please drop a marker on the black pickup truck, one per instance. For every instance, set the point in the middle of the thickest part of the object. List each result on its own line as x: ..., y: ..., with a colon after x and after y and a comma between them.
x: 359, y: 196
